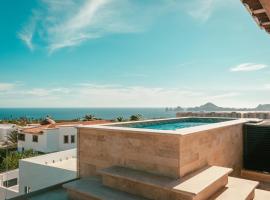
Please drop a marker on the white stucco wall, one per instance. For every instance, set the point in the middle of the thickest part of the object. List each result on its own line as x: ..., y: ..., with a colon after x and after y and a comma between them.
x: 69, y: 131
x: 6, y: 193
x: 52, y: 140
x: 36, y: 146
x: 47, y: 142
x: 47, y: 170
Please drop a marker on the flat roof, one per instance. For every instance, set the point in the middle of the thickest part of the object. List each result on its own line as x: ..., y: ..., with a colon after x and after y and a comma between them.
x: 70, y: 164
x: 39, y: 129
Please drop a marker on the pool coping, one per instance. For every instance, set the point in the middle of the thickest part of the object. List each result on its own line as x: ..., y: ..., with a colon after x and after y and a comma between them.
x: 179, y: 132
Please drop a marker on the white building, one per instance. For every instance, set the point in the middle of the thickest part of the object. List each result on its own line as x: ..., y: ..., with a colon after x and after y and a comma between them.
x: 38, y: 173
x: 47, y: 170
x: 52, y: 137
x: 9, y: 184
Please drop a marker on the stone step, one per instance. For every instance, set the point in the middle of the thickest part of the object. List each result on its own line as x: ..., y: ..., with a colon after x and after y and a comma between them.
x: 262, y: 194
x: 237, y: 189
x: 197, y: 186
x: 92, y: 189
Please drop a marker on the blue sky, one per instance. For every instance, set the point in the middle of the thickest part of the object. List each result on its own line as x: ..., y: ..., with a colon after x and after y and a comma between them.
x: 125, y: 53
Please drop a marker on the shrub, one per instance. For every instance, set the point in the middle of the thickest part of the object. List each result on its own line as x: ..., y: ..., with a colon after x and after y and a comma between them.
x: 120, y: 119
x: 11, y: 161
x: 135, y: 117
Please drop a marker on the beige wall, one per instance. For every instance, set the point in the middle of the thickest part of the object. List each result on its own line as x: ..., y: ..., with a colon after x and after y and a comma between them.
x: 155, y: 153
x: 166, y: 154
x: 220, y: 146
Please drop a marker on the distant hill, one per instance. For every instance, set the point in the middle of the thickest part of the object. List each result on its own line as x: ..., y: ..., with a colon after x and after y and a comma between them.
x: 263, y: 107
x: 206, y: 107
x: 210, y: 107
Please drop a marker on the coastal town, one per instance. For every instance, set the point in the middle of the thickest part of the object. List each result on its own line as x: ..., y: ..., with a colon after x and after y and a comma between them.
x: 48, y: 151
x: 113, y: 100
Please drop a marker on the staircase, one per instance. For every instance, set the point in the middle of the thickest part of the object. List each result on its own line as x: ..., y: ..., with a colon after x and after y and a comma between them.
x: 119, y: 183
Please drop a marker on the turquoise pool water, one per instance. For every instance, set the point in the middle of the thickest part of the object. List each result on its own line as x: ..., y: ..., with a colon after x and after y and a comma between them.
x: 173, y: 126
x: 175, y: 123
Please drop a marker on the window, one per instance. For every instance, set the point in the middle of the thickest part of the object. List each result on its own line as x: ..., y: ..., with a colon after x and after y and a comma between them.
x: 10, y: 183
x: 65, y: 139
x: 21, y: 137
x: 35, y: 138
x: 72, y: 139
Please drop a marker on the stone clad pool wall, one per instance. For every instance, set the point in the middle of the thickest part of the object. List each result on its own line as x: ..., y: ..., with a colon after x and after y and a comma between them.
x: 155, y: 153
x: 221, y: 146
x: 169, y: 153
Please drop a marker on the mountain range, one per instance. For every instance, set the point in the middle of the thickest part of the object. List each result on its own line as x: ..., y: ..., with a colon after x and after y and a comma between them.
x: 210, y: 107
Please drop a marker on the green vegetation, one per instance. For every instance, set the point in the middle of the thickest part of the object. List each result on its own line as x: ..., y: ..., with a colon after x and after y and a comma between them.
x: 136, y: 117
x: 22, y: 121
x: 12, y: 138
x: 89, y: 117
x: 9, y: 159
x: 120, y: 119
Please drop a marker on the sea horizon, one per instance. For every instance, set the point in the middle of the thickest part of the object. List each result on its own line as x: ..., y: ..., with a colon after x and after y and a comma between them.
x: 79, y: 112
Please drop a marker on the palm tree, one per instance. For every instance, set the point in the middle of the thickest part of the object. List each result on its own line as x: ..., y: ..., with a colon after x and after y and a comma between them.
x: 120, y: 119
x: 12, y: 138
x: 89, y: 117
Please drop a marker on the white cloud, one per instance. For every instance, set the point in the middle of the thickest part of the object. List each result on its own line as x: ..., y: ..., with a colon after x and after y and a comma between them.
x: 138, y: 96
x: 202, y: 10
x: 27, y: 32
x: 68, y: 23
x: 248, y: 67
x: 6, y: 86
x: 266, y: 87
x: 113, y: 95
x: 44, y: 92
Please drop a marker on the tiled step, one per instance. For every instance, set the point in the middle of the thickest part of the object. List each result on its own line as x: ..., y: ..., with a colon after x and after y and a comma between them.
x: 92, y: 189
x: 237, y: 189
x: 197, y: 186
x: 262, y: 195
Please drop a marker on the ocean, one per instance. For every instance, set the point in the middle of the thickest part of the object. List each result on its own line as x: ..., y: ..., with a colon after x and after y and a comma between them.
x: 74, y: 113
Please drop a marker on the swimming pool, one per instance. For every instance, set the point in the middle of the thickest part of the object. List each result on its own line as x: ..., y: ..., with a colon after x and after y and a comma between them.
x: 173, y: 124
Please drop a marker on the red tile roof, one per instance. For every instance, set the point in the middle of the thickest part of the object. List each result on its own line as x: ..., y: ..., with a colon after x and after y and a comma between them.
x: 39, y: 129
